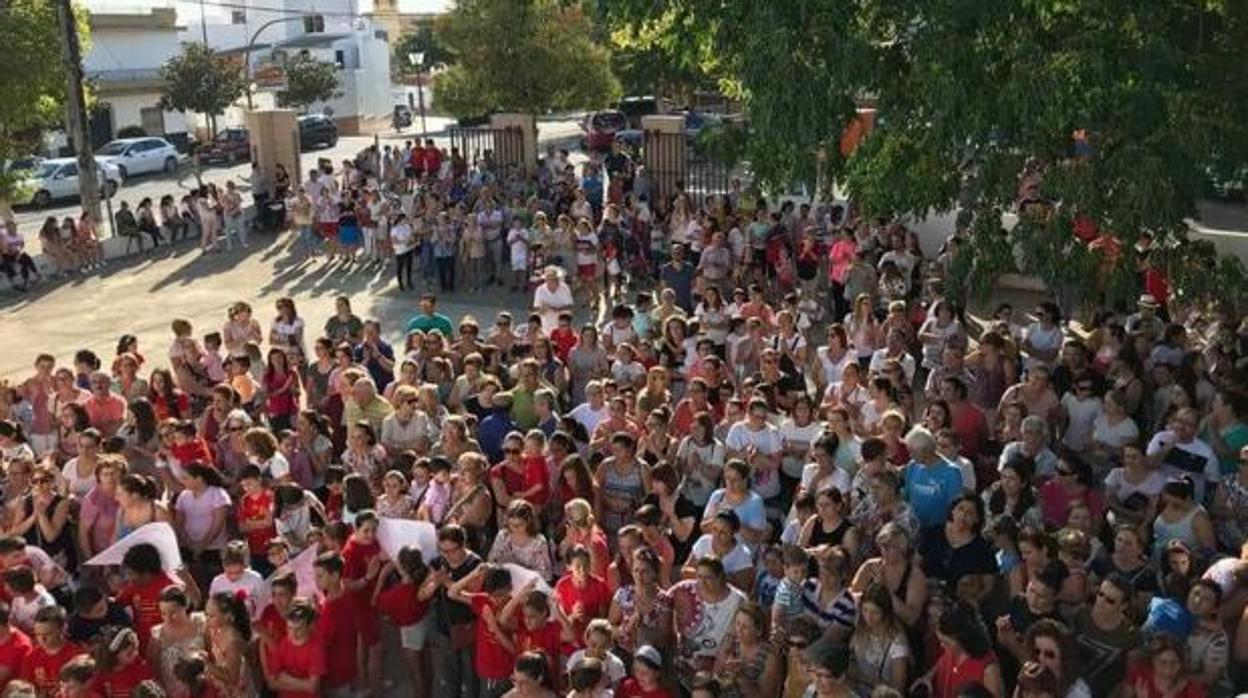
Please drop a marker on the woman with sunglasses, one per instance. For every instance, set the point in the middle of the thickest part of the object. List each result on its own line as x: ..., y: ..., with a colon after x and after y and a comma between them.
x: 1051, y: 644
x: 42, y: 518
x: 1074, y: 483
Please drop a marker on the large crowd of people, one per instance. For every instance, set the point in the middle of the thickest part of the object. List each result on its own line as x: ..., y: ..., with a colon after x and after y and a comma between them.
x: 783, y: 463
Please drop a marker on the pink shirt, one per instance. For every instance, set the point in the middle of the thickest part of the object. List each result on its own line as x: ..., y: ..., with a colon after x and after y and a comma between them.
x: 840, y: 258
x: 106, y: 414
x: 197, y: 513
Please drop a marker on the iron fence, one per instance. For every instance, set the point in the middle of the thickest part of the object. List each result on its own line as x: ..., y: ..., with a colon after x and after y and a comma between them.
x: 500, y: 149
x: 675, y: 164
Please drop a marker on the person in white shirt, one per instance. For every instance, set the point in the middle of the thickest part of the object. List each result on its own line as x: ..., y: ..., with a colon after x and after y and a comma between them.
x: 403, y: 240
x: 28, y: 597
x: 1177, y: 451
x: 238, y: 579
x: 518, y: 243
x: 591, y: 412
x: 759, y: 444
x: 551, y: 298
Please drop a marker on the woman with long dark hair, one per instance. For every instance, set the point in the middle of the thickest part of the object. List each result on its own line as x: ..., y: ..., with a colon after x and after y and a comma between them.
x: 966, y: 655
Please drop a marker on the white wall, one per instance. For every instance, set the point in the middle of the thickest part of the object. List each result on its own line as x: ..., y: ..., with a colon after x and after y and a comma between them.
x: 127, y: 111
x: 122, y: 54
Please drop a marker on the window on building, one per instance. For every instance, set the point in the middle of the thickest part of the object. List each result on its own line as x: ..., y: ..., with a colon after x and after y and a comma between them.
x: 340, y: 59
x: 238, y: 16
x: 153, y: 119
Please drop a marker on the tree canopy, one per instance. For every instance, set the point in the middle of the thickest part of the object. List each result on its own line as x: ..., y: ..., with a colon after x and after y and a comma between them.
x: 421, y: 39
x: 32, y: 83
x: 199, y: 80
x: 522, y: 55
x: 969, y: 93
x: 308, y: 81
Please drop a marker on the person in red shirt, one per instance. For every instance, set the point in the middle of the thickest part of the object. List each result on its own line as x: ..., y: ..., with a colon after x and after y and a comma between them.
x: 564, y: 337
x: 362, y: 562
x: 52, y: 650
x: 187, y: 447
x: 416, y: 162
x: 407, y: 604
x: 119, y: 668
x: 536, y: 470
x: 271, y: 627
x: 647, y: 669
x: 581, y: 598
x: 432, y: 159
x: 494, y: 651
x: 297, y: 664
x: 142, y: 593
x: 336, y: 624
x: 15, y: 646
x: 536, y: 631
x: 77, y: 679
x: 255, y: 517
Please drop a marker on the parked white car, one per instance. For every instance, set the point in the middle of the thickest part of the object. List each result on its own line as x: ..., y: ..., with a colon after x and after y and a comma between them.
x: 141, y: 155
x: 56, y: 179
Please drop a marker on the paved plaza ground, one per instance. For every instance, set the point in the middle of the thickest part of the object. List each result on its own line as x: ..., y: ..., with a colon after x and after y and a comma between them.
x: 141, y: 295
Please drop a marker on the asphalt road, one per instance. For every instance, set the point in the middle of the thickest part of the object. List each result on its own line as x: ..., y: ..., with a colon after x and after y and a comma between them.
x: 29, y: 219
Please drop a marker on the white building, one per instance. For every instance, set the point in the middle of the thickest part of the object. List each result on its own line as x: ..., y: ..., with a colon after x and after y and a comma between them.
x: 128, y: 47
x: 280, y: 31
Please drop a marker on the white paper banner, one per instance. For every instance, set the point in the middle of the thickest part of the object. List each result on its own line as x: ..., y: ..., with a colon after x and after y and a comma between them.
x: 521, y: 575
x: 395, y: 534
x: 305, y: 578
x: 157, y: 533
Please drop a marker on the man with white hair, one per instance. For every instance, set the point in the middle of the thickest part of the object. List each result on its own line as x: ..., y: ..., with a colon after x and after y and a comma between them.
x: 931, y: 481
x: 366, y: 404
x: 551, y: 298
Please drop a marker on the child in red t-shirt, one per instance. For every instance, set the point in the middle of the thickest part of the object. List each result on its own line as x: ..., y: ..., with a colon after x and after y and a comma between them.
x: 535, y: 631
x: 119, y: 668
x: 187, y: 447
x: 407, y: 605
x: 582, y: 597
x: 77, y: 679
x: 271, y: 627
x: 51, y: 652
x: 564, y: 337
x: 495, y: 652
x: 255, y: 517
x: 15, y: 646
x: 142, y: 593
x: 362, y: 563
x: 297, y: 663
x: 536, y: 470
x: 336, y: 623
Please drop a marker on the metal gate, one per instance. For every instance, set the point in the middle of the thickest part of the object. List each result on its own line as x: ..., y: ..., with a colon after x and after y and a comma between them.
x: 501, y: 150
x: 675, y: 165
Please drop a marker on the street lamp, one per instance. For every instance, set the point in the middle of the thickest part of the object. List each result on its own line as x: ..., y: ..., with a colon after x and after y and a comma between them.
x: 417, y: 59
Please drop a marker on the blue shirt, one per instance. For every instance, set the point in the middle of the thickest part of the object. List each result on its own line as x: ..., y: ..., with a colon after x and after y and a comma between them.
x: 381, y: 375
x: 751, y: 512
x: 491, y: 432
x: 436, y: 321
x: 931, y: 490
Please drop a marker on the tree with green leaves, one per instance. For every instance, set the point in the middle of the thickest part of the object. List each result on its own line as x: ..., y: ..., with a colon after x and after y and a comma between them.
x: 971, y: 94
x: 522, y: 55
x: 200, y: 80
x: 32, y: 83
x: 308, y: 81
x: 421, y: 39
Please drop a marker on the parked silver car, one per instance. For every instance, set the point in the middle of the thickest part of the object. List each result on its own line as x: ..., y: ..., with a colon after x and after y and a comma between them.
x: 56, y: 179
x: 141, y: 155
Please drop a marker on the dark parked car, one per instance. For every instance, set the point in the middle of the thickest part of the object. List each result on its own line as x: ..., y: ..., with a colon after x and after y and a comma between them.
x: 231, y: 145
x: 633, y: 108
x: 316, y: 130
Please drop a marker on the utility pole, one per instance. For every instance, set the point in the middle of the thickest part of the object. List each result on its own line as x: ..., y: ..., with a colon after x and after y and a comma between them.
x: 76, y: 105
